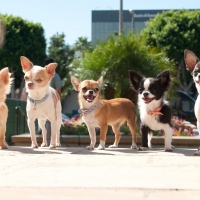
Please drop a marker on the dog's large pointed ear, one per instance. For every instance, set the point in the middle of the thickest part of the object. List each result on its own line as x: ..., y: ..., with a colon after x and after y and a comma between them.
x: 190, y: 60
x: 135, y: 79
x: 75, y: 82
x: 100, y: 81
x: 4, y: 75
x: 51, y: 68
x: 26, y: 64
x: 165, y: 79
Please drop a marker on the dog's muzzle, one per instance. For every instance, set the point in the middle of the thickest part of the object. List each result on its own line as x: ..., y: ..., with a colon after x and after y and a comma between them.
x: 148, y: 100
x: 146, y: 97
x: 89, y: 97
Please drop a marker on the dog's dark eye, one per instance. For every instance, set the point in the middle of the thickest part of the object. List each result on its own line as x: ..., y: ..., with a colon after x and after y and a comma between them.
x: 153, y: 91
x: 96, y: 90
x: 140, y: 90
x: 26, y: 78
x: 39, y: 80
x: 195, y: 73
x: 84, y: 89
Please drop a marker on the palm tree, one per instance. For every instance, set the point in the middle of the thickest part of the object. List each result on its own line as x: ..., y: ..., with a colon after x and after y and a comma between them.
x: 82, y: 44
x: 114, y: 58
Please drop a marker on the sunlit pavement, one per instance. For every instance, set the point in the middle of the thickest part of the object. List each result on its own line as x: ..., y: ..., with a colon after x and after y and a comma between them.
x: 77, y: 173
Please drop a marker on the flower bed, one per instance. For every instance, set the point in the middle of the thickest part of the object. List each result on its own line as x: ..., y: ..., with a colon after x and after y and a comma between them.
x: 77, y: 127
x: 180, y: 128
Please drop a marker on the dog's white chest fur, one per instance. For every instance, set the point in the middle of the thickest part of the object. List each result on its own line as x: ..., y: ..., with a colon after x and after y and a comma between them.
x: 150, y: 120
x: 197, y: 108
x: 90, y: 119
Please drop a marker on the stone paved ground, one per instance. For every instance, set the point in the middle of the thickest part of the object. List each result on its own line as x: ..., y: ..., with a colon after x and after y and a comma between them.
x: 76, y: 173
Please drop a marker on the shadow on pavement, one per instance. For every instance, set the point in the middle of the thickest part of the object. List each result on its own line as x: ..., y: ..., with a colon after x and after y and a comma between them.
x: 108, y: 151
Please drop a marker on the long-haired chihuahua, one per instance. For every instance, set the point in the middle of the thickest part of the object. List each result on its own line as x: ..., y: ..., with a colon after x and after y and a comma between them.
x: 155, y: 114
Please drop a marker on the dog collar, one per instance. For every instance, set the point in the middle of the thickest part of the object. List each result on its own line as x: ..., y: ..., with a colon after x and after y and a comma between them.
x: 155, y: 112
x: 37, y: 101
x: 87, y: 111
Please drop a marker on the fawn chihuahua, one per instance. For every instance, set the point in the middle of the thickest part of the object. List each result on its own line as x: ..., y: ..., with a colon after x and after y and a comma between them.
x: 101, y: 113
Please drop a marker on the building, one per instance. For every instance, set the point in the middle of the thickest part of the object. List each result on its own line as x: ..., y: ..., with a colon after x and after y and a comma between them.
x: 106, y: 22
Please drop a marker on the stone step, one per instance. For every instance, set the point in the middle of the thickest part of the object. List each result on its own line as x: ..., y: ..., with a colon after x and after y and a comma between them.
x: 83, y: 140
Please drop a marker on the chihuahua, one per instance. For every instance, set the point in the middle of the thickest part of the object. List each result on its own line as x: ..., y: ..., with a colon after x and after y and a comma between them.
x: 5, y: 87
x: 155, y: 114
x: 43, y: 102
x: 101, y: 113
x: 193, y: 65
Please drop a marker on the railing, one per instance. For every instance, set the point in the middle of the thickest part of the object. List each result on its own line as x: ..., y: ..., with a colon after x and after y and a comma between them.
x: 19, y: 111
x: 16, y: 122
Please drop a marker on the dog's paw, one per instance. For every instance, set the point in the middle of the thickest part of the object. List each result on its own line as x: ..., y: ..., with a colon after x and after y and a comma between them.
x: 169, y: 150
x: 142, y: 148
x: 34, y: 146
x: 52, y: 146
x: 197, y: 153
x: 100, y: 147
x: 113, y: 146
x: 3, y: 146
x: 90, y: 148
x: 58, y: 145
x: 43, y: 145
x: 133, y: 146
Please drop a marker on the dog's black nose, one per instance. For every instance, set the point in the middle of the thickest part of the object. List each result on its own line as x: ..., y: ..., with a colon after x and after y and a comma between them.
x: 145, y: 94
x: 90, y: 92
x: 30, y: 84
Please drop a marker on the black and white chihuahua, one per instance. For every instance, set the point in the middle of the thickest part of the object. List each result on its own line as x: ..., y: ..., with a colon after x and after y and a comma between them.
x: 193, y: 65
x: 155, y: 114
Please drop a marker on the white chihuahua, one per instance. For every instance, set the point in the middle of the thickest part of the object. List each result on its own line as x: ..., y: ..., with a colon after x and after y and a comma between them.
x: 43, y: 102
x: 193, y: 65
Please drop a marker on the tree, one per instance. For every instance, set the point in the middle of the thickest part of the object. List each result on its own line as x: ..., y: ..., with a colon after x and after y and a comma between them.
x: 172, y: 32
x: 114, y: 58
x: 82, y: 45
x: 22, y: 38
x: 63, y: 55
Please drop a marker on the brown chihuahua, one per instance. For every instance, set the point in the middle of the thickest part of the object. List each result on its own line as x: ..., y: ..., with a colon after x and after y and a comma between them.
x: 101, y: 113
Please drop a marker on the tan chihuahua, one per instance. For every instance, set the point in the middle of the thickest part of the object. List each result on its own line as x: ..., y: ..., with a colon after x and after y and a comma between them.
x: 101, y: 113
x: 43, y: 102
x: 5, y: 86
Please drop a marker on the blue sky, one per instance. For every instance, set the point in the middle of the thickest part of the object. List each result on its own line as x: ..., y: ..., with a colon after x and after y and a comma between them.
x: 73, y: 17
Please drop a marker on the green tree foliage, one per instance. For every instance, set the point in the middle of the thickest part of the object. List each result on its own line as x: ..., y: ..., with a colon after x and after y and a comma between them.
x: 63, y: 55
x: 22, y: 38
x: 114, y: 58
x: 172, y: 32
x: 82, y: 45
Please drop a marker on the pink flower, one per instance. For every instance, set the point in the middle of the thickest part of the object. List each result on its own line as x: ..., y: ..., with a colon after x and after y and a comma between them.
x: 186, y: 130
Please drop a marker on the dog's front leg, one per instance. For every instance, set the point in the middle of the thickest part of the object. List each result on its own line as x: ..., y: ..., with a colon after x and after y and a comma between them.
x: 3, y: 144
x: 144, y: 131
x: 103, y: 131
x: 197, y: 153
x: 92, y: 133
x: 168, y: 138
x: 53, y: 134
x: 44, y: 132
x: 31, y: 126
